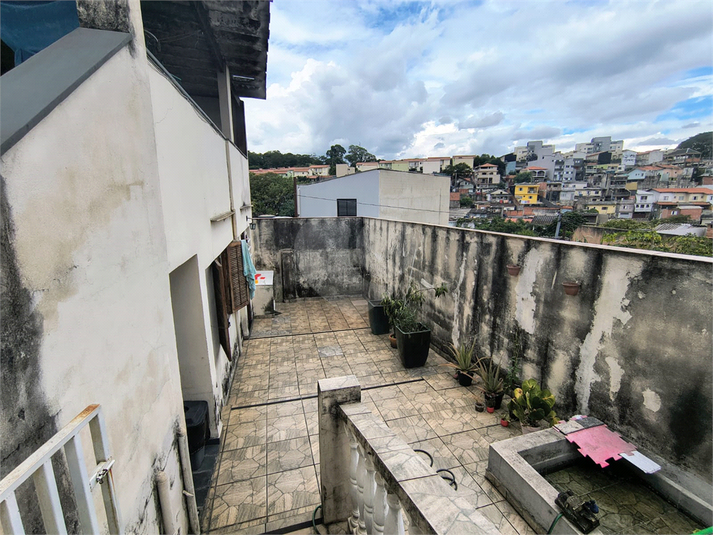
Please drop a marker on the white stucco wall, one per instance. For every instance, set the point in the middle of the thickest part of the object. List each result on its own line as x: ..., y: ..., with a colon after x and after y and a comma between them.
x: 414, y: 197
x: 320, y: 200
x: 195, y: 163
x: 83, y: 187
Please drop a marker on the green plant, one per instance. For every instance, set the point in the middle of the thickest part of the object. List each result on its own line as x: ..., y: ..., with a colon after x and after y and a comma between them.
x: 404, y: 312
x: 512, y: 379
x: 463, y: 356
x: 531, y: 404
x: 490, y: 374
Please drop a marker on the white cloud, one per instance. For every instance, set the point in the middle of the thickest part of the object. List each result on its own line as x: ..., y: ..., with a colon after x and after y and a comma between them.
x: 405, y: 79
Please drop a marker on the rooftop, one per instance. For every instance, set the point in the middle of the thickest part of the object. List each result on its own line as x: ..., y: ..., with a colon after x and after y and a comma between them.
x: 268, y: 473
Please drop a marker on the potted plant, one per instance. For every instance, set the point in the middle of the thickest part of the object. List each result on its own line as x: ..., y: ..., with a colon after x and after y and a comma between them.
x: 413, y: 339
x: 464, y: 364
x: 505, y: 420
x: 492, y: 385
x: 531, y: 404
x: 571, y: 287
x: 378, y: 320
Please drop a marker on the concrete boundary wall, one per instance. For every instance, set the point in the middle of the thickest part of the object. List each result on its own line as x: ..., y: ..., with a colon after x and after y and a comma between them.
x: 633, y: 348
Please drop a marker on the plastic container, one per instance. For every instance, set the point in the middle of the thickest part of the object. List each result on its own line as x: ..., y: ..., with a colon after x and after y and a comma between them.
x: 197, y: 429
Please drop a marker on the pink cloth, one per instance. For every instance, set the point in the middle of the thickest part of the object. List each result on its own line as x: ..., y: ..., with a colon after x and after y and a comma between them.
x: 599, y: 444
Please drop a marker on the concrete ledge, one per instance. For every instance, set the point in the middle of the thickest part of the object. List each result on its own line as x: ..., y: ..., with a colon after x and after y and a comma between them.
x: 431, y: 504
x: 34, y: 88
x: 513, y: 467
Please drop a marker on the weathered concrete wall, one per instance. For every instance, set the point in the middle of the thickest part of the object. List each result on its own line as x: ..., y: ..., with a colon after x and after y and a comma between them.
x: 311, y: 257
x: 632, y: 348
x: 90, y: 286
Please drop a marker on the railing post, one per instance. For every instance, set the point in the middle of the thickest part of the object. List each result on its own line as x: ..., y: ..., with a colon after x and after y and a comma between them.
x: 354, y: 518
x: 361, y: 478
x: 394, y: 519
x: 379, y: 504
x: 369, y: 491
x: 334, y: 450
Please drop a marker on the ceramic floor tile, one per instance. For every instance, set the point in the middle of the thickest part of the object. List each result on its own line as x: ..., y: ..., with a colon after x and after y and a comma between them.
x: 288, y: 455
x: 286, y: 428
x: 281, y: 410
x: 239, y: 502
x: 412, y: 428
x: 468, y: 447
x: 292, y: 489
x: 442, y: 456
x: 242, y: 464
x: 242, y: 435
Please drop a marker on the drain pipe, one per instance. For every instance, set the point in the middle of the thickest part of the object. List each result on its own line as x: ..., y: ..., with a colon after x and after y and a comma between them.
x: 188, y: 490
x: 164, y: 499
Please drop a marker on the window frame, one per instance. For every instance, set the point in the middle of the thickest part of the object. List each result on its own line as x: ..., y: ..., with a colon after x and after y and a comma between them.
x: 347, y: 204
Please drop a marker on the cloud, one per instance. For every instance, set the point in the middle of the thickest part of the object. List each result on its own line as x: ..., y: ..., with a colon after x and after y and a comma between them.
x: 656, y: 141
x: 485, y: 121
x: 402, y: 77
x: 540, y: 132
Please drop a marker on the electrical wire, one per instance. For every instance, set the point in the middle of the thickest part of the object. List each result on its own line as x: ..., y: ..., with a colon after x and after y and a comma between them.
x: 378, y: 205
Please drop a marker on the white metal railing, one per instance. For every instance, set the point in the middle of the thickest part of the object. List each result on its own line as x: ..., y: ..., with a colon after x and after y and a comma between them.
x: 38, y: 466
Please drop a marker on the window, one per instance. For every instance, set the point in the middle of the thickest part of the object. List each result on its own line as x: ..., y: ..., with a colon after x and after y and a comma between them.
x: 346, y: 207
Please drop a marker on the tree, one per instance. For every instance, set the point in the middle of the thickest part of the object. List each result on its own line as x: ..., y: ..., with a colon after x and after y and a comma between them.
x: 359, y: 154
x: 461, y: 170
x: 466, y: 202
x: 272, y: 194
x: 523, y: 177
x: 335, y: 155
x: 570, y: 222
x: 702, y: 143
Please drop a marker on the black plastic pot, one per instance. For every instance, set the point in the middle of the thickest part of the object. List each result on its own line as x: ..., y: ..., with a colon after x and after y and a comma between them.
x: 464, y: 379
x: 494, y: 400
x: 378, y: 321
x: 413, y: 347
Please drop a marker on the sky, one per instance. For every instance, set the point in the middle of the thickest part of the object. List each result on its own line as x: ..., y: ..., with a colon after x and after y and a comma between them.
x: 416, y: 79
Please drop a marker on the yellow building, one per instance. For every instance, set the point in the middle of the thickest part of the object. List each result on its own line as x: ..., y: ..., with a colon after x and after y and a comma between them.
x: 526, y: 193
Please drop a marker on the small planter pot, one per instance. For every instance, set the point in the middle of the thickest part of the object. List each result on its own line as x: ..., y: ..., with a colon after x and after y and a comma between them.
x: 494, y: 400
x: 413, y: 347
x: 378, y: 321
x: 464, y: 379
x: 504, y: 422
x: 513, y: 270
x: 479, y: 406
x: 392, y: 339
x: 490, y: 409
x: 571, y: 288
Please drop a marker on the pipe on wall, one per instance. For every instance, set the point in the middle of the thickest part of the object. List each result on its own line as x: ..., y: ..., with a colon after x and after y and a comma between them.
x: 188, y: 489
x: 164, y: 499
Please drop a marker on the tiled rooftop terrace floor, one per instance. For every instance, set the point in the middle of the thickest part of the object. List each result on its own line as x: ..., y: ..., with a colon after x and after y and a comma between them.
x: 267, y: 476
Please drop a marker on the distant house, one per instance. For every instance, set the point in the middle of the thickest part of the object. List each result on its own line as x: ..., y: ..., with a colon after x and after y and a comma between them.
x: 538, y: 173
x: 379, y: 193
x: 366, y: 166
x: 527, y: 193
x: 435, y: 164
x: 486, y: 175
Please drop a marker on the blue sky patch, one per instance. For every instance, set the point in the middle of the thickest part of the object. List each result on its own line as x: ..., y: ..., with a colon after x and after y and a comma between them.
x: 691, y: 108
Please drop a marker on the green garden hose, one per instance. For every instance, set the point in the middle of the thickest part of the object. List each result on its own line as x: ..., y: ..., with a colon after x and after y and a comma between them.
x: 554, y: 523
